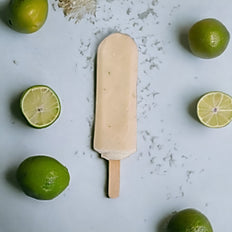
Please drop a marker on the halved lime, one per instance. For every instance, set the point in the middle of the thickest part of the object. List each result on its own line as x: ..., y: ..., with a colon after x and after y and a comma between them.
x: 214, y: 109
x: 40, y: 105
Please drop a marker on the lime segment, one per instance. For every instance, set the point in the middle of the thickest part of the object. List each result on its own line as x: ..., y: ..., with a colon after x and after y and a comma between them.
x: 214, y: 109
x: 40, y: 105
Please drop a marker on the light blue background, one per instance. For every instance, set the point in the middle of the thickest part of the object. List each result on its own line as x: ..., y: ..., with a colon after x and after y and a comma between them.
x: 179, y: 163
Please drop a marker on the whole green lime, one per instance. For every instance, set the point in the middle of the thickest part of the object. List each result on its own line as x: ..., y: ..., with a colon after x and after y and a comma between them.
x: 189, y: 220
x: 208, y: 38
x: 42, y: 177
x: 27, y: 16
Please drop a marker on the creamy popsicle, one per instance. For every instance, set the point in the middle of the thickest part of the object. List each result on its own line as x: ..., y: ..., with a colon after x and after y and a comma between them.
x: 115, y: 115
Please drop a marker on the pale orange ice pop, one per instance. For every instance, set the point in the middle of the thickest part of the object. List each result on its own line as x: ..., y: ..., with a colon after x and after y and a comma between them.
x: 115, y: 131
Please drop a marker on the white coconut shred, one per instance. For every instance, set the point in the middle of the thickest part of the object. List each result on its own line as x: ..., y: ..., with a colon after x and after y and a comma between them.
x: 77, y: 9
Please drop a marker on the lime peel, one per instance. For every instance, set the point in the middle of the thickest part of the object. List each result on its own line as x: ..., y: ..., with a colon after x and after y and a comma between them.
x: 208, y: 38
x: 42, y: 177
x: 189, y: 220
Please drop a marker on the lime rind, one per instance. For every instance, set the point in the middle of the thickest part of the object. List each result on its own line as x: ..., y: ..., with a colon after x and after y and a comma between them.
x: 214, y: 109
x: 208, y: 38
x: 40, y: 106
x: 42, y: 177
x: 189, y: 220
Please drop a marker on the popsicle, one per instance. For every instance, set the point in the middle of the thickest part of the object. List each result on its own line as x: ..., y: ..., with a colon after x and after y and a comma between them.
x: 115, y: 131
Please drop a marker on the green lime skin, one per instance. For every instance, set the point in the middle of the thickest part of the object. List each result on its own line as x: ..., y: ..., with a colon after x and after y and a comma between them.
x: 27, y: 16
x: 208, y: 38
x: 42, y: 177
x: 189, y: 220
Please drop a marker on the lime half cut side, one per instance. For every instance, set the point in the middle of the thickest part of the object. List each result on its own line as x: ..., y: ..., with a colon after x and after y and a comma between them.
x: 214, y: 109
x: 40, y: 105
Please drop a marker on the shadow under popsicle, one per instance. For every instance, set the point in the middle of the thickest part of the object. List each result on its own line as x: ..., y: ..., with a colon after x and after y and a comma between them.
x: 92, y: 129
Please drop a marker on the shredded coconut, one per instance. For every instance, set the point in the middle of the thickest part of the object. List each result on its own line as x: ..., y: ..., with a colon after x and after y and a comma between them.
x: 77, y: 9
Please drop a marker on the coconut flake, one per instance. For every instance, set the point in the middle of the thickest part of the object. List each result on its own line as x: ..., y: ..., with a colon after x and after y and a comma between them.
x: 77, y: 9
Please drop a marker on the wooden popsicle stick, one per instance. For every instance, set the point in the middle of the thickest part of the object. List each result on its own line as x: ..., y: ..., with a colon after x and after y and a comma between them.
x: 114, y: 178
